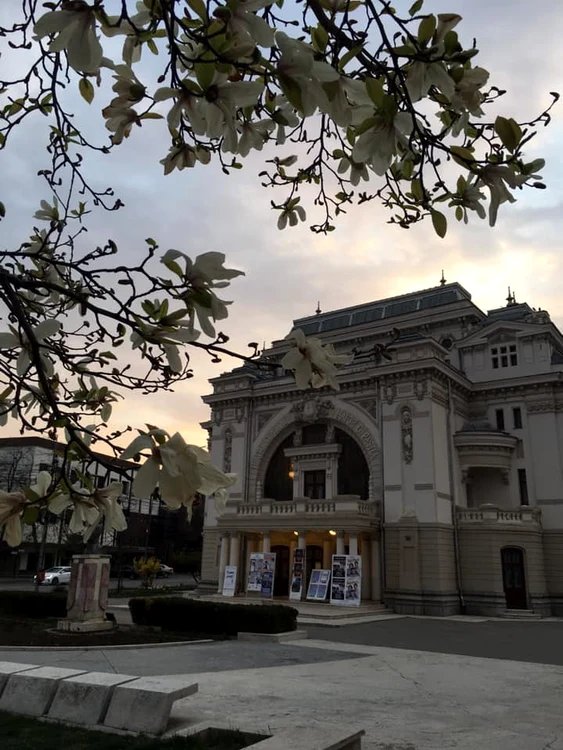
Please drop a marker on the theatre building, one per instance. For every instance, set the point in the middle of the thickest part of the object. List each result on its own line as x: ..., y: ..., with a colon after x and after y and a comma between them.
x: 441, y: 466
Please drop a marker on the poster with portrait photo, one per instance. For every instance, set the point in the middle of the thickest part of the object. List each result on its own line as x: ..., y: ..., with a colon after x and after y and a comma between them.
x: 255, y: 572
x: 353, y: 566
x: 338, y: 590
x: 296, y: 588
x: 322, y: 591
x: 352, y: 593
x: 268, y: 574
x: 339, y: 566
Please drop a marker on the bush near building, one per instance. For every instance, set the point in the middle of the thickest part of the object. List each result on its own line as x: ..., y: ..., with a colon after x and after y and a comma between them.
x: 213, y: 618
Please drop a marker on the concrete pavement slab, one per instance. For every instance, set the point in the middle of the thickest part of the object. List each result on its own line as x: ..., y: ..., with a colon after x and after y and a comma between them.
x: 84, y: 699
x: 32, y: 691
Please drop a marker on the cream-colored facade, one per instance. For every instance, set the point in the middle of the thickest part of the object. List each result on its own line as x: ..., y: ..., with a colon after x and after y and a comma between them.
x: 442, y: 467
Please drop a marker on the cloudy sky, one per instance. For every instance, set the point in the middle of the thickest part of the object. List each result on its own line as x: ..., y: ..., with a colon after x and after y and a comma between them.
x: 365, y: 259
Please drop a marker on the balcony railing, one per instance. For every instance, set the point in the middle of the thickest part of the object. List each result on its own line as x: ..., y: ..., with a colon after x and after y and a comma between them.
x: 524, y: 515
x: 351, y: 504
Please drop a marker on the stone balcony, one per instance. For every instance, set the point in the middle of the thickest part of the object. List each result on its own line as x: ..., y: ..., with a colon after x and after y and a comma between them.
x: 347, y: 510
x: 525, y: 516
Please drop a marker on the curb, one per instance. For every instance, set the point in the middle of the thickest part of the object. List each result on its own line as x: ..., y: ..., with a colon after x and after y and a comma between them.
x: 287, y: 636
x: 124, y: 647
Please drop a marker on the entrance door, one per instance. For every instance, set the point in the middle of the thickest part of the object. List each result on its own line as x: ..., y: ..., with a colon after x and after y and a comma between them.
x: 281, y: 578
x: 314, y: 560
x: 514, y: 578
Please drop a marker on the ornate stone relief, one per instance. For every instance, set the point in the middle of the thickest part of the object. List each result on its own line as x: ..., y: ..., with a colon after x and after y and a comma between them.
x: 312, y: 409
x: 390, y: 393
x: 227, y: 450
x: 329, y: 437
x: 406, y: 434
x: 420, y: 388
x: 298, y: 437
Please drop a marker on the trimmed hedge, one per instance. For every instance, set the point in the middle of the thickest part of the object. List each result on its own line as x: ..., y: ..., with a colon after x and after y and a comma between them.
x: 32, y: 604
x: 214, y: 618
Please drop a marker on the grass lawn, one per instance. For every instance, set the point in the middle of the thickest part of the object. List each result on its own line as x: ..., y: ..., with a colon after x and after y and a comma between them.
x: 21, y: 733
x: 23, y: 631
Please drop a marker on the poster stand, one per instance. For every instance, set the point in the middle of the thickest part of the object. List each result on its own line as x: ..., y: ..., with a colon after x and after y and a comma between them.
x: 319, y: 585
x: 268, y: 575
x: 230, y: 580
x: 297, y: 573
x: 346, y: 588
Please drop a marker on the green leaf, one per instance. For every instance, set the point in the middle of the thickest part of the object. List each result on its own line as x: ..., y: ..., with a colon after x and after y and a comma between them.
x: 292, y: 91
x: 198, y: 6
x: 2, y: 210
x: 171, y: 265
x: 416, y: 190
x: 30, y: 515
x: 86, y: 90
x: 32, y: 496
x: 150, y: 241
x: 459, y: 213
x: 375, y: 91
x: 350, y: 55
x: 152, y: 46
x: 320, y: 38
x: 415, y: 7
x: 462, y: 156
x: 509, y: 132
x: 426, y: 29
x: 440, y: 223
x: 204, y: 73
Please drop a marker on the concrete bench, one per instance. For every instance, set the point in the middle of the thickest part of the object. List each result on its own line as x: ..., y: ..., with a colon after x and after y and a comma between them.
x: 145, y: 704
x: 84, y: 699
x: 321, y: 738
x: 8, y: 668
x: 31, y: 691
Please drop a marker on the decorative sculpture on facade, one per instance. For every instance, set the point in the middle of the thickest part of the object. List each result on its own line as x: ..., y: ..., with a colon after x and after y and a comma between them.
x: 406, y: 434
x: 227, y: 450
x: 312, y: 409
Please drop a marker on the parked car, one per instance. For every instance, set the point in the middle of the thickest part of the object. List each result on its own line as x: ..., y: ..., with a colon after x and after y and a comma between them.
x: 127, y: 571
x: 165, y: 570
x: 54, y: 576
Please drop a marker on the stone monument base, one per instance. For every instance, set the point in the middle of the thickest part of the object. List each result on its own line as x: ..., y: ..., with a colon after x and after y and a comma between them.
x: 86, y: 626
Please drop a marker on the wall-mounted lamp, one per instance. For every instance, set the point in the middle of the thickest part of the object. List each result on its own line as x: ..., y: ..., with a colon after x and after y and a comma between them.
x: 291, y: 472
x: 332, y: 532
x: 296, y: 533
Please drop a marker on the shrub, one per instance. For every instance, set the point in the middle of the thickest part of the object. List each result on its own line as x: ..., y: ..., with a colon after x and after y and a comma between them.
x: 214, y: 618
x: 32, y: 604
x: 146, y: 568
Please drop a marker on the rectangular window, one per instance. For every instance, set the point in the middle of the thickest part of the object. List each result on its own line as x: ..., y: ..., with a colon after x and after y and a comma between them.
x: 499, y: 414
x: 517, y: 417
x: 314, y: 485
x: 523, y: 487
x: 504, y: 356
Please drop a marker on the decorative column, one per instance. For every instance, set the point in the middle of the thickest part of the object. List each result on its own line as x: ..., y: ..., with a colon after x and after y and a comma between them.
x: 327, y: 554
x: 366, y: 567
x: 375, y: 570
x: 223, y: 557
x: 353, y: 544
x: 235, y: 550
x: 340, y: 543
x: 266, y: 542
x: 88, y: 595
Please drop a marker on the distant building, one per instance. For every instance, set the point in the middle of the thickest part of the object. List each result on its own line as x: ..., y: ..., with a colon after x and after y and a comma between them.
x: 22, y: 458
x: 442, y: 468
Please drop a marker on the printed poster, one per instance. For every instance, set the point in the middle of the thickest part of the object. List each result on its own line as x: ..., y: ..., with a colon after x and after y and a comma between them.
x: 346, y: 588
x: 230, y: 580
x: 254, y: 582
x: 296, y: 588
x: 318, y: 585
x: 268, y: 574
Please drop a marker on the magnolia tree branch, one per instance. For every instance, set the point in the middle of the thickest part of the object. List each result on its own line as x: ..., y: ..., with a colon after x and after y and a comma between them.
x: 348, y: 101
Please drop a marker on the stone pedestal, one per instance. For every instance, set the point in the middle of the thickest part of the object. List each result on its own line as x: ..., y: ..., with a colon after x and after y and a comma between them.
x: 88, y: 595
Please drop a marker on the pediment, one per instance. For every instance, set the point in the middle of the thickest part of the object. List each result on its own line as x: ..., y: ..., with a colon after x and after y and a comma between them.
x: 501, y: 332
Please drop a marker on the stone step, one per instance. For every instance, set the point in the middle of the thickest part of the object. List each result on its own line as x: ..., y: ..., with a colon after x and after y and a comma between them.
x: 520, y: 614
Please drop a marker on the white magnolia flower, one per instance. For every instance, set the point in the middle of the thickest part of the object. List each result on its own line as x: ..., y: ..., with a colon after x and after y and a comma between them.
x: 345, y: 96
x: 468, y: 95
x: 469, y: 196
x: 303, y: 75
x: 48, y: 212
x: 357, y: 171
x: 284, y: 117
x: 496, y: 178
x: 41, y: 333
x: 378, y: 145
x: 248, y: 28
x: 421, y: 76
x: 312, y: 363
x: 106, y: 501
x: 253, y: 135
x: 179, y: 157
x: 180, y: 470
x: 11, y: 507
x: 220, y: 104
x: 120, y: 120
x: 89, y: 508
x: 187, y: 104
x: 128, y: 88
x: 117, y: 26
x: 75, y: 26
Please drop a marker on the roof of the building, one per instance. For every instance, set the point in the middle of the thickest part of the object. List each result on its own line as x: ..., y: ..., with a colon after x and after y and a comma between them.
x: 515, y: 312
x: 425, y: 299
x: 35, y: 441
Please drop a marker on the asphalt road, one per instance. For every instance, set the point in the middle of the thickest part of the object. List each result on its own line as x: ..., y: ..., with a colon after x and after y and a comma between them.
x: 539, y: 642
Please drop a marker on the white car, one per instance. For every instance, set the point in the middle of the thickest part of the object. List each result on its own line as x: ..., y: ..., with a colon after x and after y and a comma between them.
x: 55, y: 576
x: 165, y: 570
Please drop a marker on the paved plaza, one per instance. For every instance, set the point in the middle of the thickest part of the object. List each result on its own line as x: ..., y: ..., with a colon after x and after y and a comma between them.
x: 405, y: 699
